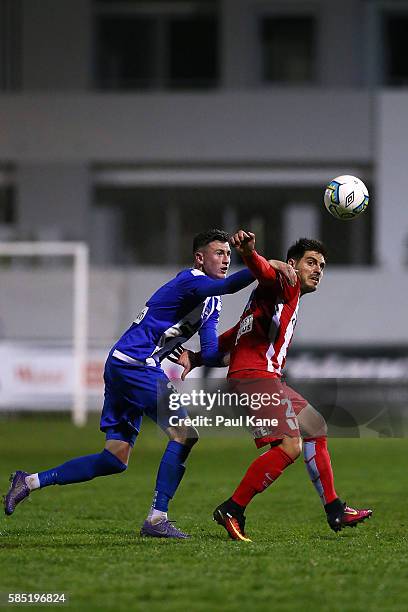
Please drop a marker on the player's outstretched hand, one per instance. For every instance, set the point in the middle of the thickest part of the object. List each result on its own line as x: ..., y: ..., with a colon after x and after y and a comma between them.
x: 174, y: 356
x: 286, y: 269
x: 243, y: 241
x: 186, y: 358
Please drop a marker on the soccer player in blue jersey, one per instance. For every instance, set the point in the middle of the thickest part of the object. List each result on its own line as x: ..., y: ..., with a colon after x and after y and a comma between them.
x: 135, y: 382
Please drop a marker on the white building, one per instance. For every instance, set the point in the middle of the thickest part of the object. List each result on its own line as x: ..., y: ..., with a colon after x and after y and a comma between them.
x: 133, y: 125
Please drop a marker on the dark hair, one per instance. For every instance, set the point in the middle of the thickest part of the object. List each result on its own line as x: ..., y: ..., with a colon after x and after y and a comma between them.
x: 205, y: 238
x: 297, y: 250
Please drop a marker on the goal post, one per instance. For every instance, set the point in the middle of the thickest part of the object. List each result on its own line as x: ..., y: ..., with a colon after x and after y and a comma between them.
x: 79, y: 251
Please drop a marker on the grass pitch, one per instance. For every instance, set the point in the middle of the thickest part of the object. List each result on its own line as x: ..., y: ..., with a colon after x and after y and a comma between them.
x: 83, y: 539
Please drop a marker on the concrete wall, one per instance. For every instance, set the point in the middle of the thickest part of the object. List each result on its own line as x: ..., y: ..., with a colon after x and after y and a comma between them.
x: 363, y: 307
x: 296, y: 126
x: 56, y: 44
x: 53, y: 139
x: 57, y: 41
x: 391, y: 180
x: 56, y: 128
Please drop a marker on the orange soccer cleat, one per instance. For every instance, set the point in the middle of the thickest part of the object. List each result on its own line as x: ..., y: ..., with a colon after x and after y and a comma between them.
x: 230, y: 516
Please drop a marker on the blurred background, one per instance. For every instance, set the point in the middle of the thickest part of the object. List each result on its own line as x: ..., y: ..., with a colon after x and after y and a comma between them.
x: 130, y: 126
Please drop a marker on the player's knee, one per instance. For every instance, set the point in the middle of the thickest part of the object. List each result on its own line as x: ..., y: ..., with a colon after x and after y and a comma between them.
x: 186, y: 435
x: 312, y: 424
x: 323, y: 428
x: 189, y: 437
x: 193, y: 438
x: 292, y: 447
x: 318, y: 429
x: 107, y: 463
x: 121, y: 451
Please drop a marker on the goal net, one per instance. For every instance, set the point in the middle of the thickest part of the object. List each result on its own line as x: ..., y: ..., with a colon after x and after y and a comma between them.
x: 44, y: 326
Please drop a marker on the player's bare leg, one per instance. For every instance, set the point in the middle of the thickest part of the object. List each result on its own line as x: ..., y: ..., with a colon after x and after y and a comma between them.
x: 122, y: 450
x: 262, y: 472
x: 182, y: 439
x: 318, y: 464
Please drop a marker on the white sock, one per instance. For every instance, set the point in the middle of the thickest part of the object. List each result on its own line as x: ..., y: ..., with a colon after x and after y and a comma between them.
x: 156, y: 516
x: 149, y: 516
x: 32, y: 481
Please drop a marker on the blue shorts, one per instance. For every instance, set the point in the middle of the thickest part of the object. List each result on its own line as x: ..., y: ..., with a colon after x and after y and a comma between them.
x: 130, y: 392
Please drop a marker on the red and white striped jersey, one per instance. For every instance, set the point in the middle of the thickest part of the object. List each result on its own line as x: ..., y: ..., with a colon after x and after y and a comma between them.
x: 262, y: 336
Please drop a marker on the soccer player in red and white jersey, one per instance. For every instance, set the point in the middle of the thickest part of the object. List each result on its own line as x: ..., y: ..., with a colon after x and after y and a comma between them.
x: 258, y: 349
x: 257, y: 346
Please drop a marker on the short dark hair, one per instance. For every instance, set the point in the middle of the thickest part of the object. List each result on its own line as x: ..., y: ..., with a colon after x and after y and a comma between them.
x: 205, y: 238
x: 299, y: 248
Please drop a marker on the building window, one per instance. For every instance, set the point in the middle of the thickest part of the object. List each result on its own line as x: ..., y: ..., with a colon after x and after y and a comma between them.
x: 193, y: 52
x: 288, y: 49
x: 7, y: 205
x: 156, y: 45
x: 10, y: 45
x: 173, y: 215
x: 8, y: 216
x: 395, y: 29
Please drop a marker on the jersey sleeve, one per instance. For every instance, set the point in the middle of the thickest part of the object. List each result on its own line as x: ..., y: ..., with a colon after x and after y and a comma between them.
x: 268, y: 277
x: 203, y: 286
x: 210, y: 353
x: 261, y: 269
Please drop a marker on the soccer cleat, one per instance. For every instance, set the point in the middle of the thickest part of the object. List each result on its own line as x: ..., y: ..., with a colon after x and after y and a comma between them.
x: 335, y: 520
x: 353, y: 516
x: 164, y: 529
x: 233, y: 520
x: 17, y: 492
x: 347, y: 517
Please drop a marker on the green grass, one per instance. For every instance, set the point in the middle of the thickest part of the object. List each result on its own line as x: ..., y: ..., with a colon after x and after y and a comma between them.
x: 83, y: 539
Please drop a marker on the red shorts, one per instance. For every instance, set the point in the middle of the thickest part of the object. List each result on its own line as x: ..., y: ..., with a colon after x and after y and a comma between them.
x: 271, y: 405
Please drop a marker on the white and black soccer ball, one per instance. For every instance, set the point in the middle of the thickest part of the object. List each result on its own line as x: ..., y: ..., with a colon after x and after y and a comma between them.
x: 346, y: 197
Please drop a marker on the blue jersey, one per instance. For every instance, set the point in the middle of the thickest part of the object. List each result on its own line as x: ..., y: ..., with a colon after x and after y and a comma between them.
x: 188, y: 303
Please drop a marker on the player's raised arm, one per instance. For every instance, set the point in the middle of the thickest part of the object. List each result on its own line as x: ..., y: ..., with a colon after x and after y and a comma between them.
x: 286, y: 270
x: 207, y: 287
x: 263, y: 270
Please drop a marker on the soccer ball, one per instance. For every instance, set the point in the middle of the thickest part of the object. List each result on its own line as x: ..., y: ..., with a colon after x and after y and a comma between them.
x: 346, y: 197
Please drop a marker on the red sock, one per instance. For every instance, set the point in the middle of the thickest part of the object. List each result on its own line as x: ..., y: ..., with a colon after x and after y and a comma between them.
x: 261, y: 473
x: 318, y: 464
